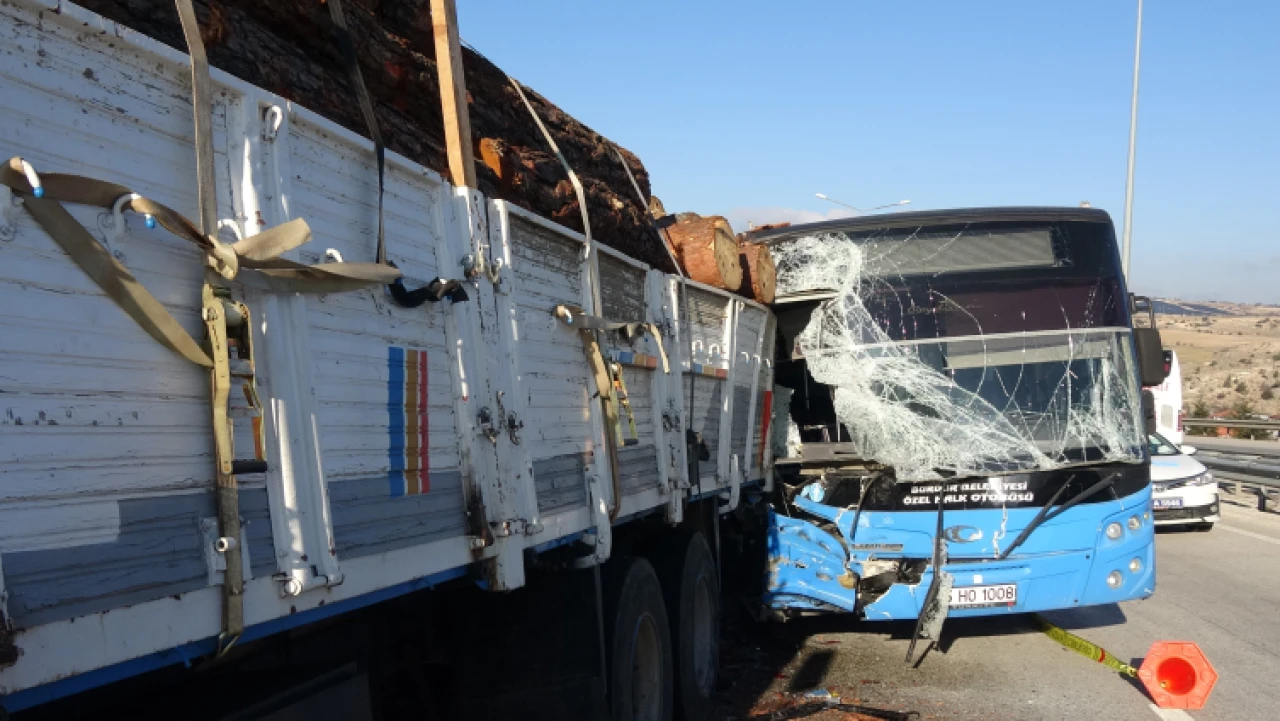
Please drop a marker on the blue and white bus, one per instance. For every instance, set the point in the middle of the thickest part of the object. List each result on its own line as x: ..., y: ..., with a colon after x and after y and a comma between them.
x: 965, y: 395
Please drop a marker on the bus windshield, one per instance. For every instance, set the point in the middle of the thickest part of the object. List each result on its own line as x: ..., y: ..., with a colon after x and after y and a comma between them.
x: 972, y: 348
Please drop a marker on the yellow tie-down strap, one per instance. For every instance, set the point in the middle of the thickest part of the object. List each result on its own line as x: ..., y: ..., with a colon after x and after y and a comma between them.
x: 624, y: 398
x: 44, y: 194
x: 575, y: 317
x: 1084, y: 648
x: 587, y: 326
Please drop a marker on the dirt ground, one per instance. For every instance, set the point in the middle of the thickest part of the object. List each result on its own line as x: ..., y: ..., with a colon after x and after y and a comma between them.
x: 1227, y: 358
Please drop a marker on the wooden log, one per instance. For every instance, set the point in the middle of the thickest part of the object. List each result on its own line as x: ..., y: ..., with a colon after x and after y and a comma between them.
x: 707, y: 250
x: 655, y: 207
x: 287, y: 47
x: 760, y: 276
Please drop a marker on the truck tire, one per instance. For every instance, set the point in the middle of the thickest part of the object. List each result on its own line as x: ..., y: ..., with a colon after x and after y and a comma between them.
x: 692, y: 590
x: 638, y: 642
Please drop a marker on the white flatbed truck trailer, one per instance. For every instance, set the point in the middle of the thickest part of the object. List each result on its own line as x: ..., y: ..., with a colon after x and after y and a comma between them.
x: 378, y: 450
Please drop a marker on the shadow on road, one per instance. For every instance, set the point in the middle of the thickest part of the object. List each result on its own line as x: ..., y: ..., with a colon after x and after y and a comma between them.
x: 1077, y: 619
x: 759, y: 675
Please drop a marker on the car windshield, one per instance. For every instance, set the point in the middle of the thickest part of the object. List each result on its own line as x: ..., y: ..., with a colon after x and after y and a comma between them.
x: 981, y: 347
x: 1160, y: 446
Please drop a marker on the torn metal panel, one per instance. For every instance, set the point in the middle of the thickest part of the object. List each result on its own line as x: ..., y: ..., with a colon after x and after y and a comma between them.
x: 848, y: 522
x: 970, y: 349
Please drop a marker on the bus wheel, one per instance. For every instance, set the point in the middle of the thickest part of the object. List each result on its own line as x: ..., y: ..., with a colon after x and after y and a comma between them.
x: 639, y: 643
x: 692, y: 590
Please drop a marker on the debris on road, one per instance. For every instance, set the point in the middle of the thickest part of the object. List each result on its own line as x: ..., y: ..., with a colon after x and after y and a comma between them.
x: 823, y: 705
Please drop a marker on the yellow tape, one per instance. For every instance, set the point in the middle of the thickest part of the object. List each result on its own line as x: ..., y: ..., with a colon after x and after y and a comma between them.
x: 1084, y: 648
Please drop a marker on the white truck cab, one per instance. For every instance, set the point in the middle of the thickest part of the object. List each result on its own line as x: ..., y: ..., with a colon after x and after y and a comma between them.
x: 1183, y: 490
x: 1168, y: 400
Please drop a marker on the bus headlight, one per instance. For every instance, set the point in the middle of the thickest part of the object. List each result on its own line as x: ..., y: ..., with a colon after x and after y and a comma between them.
x: 1114, y: 579
x: 1135, y: 566
x: 1134, y: 523
x: 1114, y: 531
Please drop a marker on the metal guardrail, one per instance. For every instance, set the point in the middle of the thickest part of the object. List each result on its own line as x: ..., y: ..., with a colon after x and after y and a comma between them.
x: 1260, y: 472
x: 1232, y: 423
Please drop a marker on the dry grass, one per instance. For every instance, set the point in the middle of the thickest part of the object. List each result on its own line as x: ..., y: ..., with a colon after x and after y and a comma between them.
x: 1227, y: 359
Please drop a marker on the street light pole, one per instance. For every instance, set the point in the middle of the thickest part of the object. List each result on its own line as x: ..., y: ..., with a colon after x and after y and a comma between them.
x: 861, y: 210
x: 1133, y: 139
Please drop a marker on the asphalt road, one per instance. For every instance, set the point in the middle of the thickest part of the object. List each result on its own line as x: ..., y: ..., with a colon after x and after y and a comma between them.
x: 1220, y: 589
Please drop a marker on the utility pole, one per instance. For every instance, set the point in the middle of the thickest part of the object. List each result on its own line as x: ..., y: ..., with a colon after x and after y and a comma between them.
x: 1133, y: 139
x: 861, y: 210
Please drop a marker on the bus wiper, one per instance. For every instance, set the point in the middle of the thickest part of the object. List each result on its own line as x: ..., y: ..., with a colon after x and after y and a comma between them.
x: 1046, y: 515
x: 937, y: 600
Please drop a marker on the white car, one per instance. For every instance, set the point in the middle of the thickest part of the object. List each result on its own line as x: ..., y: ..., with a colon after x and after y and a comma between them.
x: 1182, y: 490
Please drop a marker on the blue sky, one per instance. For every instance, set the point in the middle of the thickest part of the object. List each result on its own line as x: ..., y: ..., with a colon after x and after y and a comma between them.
x: 747, y: 109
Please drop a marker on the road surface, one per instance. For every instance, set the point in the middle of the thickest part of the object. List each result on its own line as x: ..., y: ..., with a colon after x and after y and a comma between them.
x: 1220, y: 589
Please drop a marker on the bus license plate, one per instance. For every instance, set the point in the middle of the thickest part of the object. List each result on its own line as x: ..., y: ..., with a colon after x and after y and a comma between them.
x: 1005, y: 594
x: 1167, y: 503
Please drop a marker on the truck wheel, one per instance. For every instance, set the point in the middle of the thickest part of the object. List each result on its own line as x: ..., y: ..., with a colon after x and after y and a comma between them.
x: 692, y: 590
x: 639, y: 643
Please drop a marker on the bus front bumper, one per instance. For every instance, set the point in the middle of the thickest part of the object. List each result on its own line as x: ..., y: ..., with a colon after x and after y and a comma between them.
x: 1039, y: 583
x: 813, y: 571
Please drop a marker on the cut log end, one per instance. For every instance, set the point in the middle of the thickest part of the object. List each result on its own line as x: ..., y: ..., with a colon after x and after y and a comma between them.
x: 761, y: 275
x: 707, y: 250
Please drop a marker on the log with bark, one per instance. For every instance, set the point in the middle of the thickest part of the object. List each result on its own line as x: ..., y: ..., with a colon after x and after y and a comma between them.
x: 288, y: 48
x: 760, y: 276
x: 707, y: 250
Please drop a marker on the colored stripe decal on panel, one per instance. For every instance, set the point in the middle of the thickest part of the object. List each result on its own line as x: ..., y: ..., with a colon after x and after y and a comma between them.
x: 424, y: 475
x: 408, y: 470
x: 395, y: 420
x: 411, y: 422
x: 629, y: 358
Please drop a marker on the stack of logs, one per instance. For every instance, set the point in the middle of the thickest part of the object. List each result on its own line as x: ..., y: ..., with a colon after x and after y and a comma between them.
x: 710, y: 253
x: 289, y: 48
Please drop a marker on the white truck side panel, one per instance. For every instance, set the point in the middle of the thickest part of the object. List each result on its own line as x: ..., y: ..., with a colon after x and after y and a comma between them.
x: 403, y: 444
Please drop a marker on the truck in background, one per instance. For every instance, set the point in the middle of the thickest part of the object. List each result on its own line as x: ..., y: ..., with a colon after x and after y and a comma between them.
x: 1168, y: 400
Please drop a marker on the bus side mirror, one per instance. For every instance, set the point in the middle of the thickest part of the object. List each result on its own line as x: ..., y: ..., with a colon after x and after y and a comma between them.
x: 1149, y: 411
x: 1151, y: 365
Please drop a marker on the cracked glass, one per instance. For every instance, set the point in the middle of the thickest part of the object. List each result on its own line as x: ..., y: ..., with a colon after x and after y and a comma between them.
x: 970, y: 349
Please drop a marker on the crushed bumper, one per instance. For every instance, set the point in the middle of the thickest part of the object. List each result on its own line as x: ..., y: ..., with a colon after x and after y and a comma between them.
x: 1044, y: 583
x: 884, y: 573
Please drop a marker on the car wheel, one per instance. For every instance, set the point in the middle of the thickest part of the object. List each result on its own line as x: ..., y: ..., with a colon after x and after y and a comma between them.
x: 639, y: 638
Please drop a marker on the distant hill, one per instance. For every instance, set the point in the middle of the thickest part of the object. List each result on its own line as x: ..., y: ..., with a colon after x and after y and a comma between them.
x: 1211, y: 308
x: 1229, y: 353
x: 1173, y: 307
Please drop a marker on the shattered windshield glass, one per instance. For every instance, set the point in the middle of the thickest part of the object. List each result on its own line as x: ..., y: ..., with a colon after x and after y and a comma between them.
x: 971, y: 349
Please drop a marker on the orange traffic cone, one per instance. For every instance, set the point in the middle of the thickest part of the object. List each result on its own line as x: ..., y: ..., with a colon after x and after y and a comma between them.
x: 1177, y: 675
